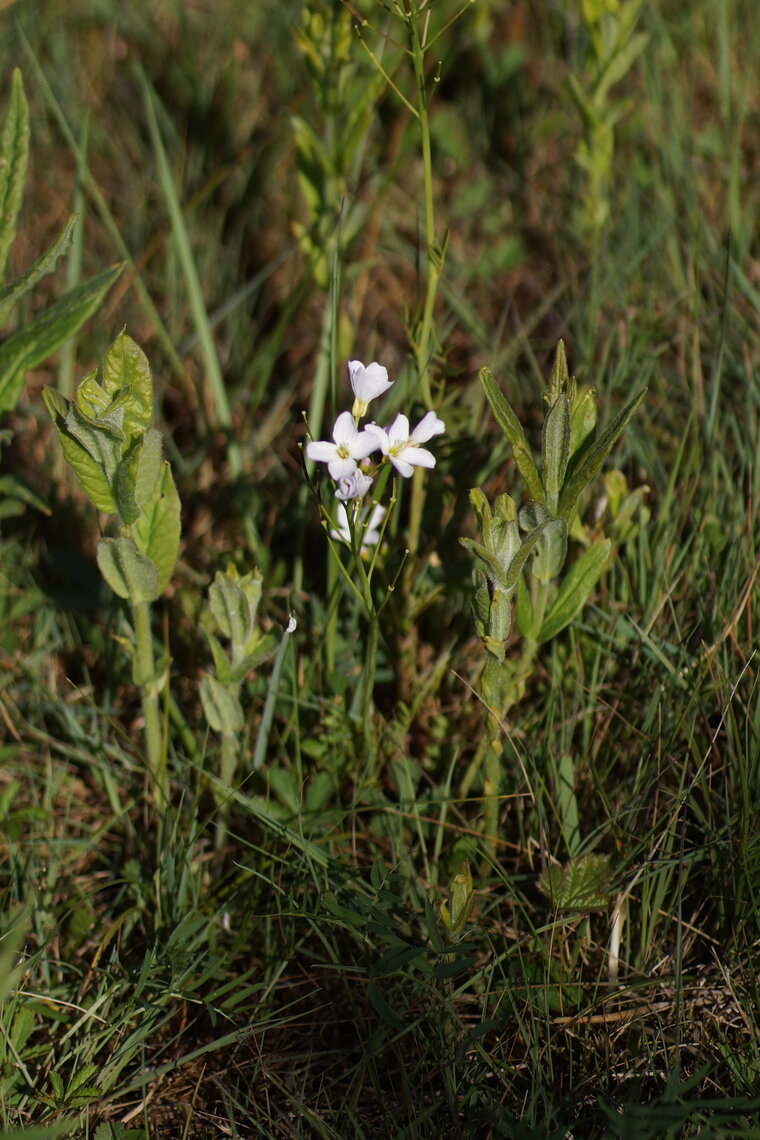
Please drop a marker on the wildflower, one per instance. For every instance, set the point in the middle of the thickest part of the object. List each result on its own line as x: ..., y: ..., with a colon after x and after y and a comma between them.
x: 371, y: 522
x: 367, y: 383
x: 402, y: 449
x: 354, y: 486
x: 349, y: 445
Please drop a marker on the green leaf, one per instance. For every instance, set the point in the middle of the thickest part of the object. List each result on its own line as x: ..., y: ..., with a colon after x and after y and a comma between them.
x: 34, y: 343
x: 221, y: 706
x: 137, y: 476
x: 12, y: 294
x: 551, y: 548
x: 157, y: 530
x: 16, y: 487
x: 582, y: 885
x: 88, y: 470
x: 593, y: 460
x: 582, y: 421
x: 127, y: 381
x: 555, y: 449
x: 526, y: 621
x: 512, y: 428
x: 14, y: 158
x: 129, y: 574
x: 575, y: 590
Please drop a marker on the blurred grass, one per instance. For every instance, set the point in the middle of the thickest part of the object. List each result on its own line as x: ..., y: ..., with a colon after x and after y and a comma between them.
x: 259, y: 994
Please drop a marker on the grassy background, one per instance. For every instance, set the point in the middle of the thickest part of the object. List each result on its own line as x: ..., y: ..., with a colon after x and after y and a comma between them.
x: 296, y: 983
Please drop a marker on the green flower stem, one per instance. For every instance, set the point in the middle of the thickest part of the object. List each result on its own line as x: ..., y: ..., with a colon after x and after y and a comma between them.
x: 434, y: 254
x: 227, y: 775
x: 145, y: 674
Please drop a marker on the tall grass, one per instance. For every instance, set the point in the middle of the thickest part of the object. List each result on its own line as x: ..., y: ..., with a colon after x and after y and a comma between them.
x: 292, y: 186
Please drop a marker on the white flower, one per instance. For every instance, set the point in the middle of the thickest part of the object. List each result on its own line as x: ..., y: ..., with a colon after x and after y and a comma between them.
x: 372, y: 524
x: 402, y: 449
x: 350, y: 444
x: 354, y: 486
x: 367, y: 383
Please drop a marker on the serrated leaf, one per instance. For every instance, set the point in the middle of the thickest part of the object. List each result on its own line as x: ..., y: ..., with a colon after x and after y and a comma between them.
x: 512, y: 428
x: 129, y: 574
x: 592, y: 461
x: 12, y: 294
x: 221, y: 706
x: 14, y: 158
x: 575, y: 590
x: 583, y: 884
x: 34, y: 343
x: 157, y: 530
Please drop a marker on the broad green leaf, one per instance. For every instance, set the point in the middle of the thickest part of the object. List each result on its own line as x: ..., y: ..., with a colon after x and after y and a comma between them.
x: 34, y: 343
x: 582, y: 885
x: 148, y: 468
x: 555, y: 449
x: 129, y: 574
x: 157, y: 530
x: 575, y: 590
x: 14, y: 157
x: 88, y: 470
x: 221, y: 706
x: 136, y: 477
x: 229, y: 605
x: 593, y: 460
x: 12, y: 294
x: 551, y: 549
x: 128, y: 382
x: 512, y: 428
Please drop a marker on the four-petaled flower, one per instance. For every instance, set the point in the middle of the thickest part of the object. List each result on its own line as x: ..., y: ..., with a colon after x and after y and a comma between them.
x: 349, y: 446
x: 367, y: 383
x: 402, y: 448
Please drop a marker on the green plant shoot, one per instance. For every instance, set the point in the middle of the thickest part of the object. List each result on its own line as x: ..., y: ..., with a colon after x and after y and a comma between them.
x: 116, y: 455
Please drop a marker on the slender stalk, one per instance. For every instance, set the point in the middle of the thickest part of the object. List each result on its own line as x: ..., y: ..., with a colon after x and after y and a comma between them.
x: 227, y: 775
x: 145, y: 675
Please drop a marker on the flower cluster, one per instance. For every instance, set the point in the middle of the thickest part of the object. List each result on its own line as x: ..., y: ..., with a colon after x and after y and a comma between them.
x: 348, y: 456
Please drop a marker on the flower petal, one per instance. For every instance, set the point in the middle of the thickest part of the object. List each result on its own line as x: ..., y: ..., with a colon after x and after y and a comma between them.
x: 428, y: 426
x: 320, y: 451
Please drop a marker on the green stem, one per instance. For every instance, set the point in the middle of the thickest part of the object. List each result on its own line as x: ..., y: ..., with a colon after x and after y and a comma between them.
x: 145, y: 676
x: 227, y: 775
x: 434, y: 253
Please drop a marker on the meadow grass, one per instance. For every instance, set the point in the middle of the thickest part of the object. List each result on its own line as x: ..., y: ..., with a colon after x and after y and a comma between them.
x: 262, y: 953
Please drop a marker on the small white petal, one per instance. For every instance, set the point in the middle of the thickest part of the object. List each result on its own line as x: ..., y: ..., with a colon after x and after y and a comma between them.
x: 320, y: 451
x: 428, y: 426
x: 339, y: 467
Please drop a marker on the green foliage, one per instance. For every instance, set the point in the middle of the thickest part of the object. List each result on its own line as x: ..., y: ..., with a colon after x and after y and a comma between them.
x: 115, y: 453
x: 35, y: 341
x: 283, y: 181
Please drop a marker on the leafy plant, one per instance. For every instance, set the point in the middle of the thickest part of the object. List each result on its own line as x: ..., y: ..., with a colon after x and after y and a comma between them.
x: 116, y: 454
